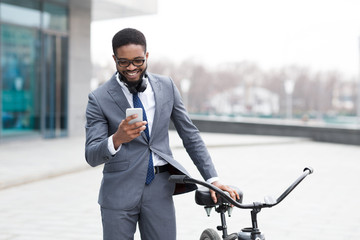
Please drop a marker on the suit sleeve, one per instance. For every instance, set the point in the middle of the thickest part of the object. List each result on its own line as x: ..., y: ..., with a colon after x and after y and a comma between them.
x: 191, y: 138
x: 96, y: 147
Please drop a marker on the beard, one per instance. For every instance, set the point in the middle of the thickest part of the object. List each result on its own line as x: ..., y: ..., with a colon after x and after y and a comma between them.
x: 133, y: 84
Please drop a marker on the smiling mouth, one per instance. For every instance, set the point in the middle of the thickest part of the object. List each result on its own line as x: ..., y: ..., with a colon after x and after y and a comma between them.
x: 132, y: 74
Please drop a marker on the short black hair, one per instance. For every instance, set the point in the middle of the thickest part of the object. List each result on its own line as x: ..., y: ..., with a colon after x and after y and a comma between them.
x: 128, y: 36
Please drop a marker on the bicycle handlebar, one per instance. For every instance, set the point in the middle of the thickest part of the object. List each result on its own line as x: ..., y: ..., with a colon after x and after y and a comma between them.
x: 182, y: 179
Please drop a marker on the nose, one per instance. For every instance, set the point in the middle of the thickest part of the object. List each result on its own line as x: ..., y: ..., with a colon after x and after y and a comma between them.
x: 131, y: 66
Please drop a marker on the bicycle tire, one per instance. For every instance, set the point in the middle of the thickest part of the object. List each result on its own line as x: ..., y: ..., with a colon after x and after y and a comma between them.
x: 209, y: 234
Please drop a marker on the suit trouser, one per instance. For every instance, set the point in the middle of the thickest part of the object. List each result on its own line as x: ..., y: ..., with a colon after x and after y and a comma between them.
x: 155, y: 214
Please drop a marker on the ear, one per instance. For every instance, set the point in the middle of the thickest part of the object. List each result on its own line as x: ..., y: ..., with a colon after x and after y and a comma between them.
x: 114, y: 58
x: 147, y: 55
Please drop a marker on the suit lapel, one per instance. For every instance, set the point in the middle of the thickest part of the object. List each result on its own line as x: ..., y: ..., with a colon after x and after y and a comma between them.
x: 118, y: 95
x: 155, y: 84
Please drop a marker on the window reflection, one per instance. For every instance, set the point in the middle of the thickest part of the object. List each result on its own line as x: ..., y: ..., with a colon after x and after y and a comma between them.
x: 26, y: 13
x: 55, y: 17
x: 33, y: 76
x: 19, y: 61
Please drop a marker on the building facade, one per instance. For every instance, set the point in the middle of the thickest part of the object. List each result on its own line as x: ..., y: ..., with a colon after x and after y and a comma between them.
x: 46, y: 65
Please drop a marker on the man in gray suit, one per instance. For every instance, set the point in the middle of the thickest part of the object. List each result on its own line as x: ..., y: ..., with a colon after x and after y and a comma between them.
x: 136, y: 156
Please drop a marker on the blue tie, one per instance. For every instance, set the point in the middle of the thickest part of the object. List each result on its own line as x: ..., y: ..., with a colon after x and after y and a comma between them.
x: 150, y: 173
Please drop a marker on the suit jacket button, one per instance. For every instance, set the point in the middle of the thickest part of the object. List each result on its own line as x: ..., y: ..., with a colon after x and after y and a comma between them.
x: 106, y: 158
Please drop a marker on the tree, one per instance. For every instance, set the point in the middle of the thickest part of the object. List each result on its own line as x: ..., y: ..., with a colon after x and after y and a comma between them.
x: 314, y: 92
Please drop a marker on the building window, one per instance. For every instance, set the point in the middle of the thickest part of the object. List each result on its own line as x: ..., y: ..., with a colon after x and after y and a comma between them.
x: 55, y: 17
x: 21, y: 12
x: 33, y: 76
x: 20, y: 74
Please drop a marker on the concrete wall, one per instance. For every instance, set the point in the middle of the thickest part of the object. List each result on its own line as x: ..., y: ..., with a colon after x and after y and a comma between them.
x: 322, y: 134
x: 79, y: 64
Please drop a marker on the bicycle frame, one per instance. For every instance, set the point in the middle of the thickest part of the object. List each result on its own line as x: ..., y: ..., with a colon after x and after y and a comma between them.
x: 252, y: 233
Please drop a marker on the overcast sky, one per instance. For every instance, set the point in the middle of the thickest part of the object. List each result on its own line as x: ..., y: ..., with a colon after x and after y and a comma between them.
x: 320, y: 34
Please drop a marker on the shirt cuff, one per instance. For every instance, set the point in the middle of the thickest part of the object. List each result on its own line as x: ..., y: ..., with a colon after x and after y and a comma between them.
x: 111, y: 147
x: 213, y: 179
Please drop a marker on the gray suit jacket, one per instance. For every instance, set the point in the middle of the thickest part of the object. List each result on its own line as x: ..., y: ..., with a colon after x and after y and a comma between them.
x: 124, y: 173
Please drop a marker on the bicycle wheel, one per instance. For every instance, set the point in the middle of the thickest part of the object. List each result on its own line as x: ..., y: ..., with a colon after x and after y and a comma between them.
x: 209, y: 234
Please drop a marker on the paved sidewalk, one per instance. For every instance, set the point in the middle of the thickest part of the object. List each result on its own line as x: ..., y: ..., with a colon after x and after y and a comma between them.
x: 49, y: 192
x: 37, y: 159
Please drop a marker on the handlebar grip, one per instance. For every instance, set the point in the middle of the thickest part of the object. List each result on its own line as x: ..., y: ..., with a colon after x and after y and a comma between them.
x: 310, y: 169
x: 178, y: 178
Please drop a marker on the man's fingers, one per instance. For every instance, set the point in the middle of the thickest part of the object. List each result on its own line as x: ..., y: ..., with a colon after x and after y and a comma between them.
x: 127, y: 132
x: 237, y: 195
x: 135, y: 132
x: 131, y: 117
x: 213, y: 196
x: 234, y: 195
x: 127, y: 127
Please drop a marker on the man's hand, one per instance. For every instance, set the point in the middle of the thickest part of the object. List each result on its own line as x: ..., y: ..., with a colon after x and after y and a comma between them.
x: 127, y: 132
x: 233, y: 194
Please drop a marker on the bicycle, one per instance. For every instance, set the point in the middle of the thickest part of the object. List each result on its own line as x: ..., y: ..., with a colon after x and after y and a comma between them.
x: 225, y: 204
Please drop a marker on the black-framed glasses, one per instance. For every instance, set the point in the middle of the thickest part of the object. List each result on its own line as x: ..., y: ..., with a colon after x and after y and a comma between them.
x: 125, y: 62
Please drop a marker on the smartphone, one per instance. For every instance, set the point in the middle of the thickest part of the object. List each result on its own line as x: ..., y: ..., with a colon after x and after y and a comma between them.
x: 132, y: 111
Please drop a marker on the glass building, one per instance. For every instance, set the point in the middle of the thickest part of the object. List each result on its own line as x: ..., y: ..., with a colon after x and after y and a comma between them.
x: 45, y: 62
